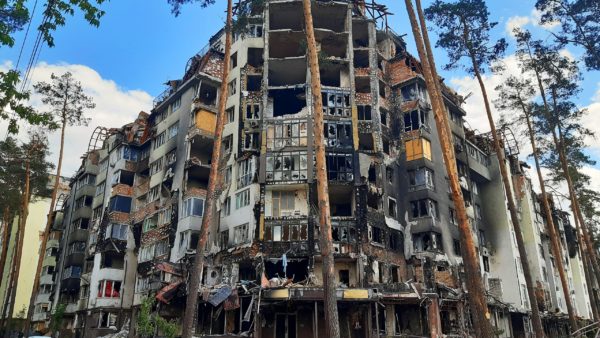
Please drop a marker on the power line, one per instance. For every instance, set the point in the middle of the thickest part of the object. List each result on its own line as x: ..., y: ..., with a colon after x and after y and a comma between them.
x: 26, y: 34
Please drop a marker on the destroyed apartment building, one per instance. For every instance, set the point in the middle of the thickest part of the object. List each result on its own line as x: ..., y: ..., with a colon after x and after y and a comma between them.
x: 130, y: 225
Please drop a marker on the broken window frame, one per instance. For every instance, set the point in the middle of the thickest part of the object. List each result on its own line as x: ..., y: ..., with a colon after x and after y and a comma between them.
x: 232, y: 87
x: 107, y: 320
x: 415, y: 120
x: 376, y: 235
x: 230, y: 115
x: 340, y: 167
x: 226, y: 207
x: 251, y: 141
x: 343, y: 232
x: 291, y: 231
x: 336, y: 103
x: 245, y: 172
x: 392, y: 207
x: 288, y: 133
x: 253, y: 111
x: 156, y: 166
x: 159, y: 140
x: 241, y: 234
x: 424, y: 208
x: 173, y: 130
x: 421, y: 178
x: 118, y: 231
x: 287, y: 166
x: 338, y: 133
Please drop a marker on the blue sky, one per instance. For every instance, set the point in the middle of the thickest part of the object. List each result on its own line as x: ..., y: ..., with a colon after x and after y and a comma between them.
x: 140, y: 45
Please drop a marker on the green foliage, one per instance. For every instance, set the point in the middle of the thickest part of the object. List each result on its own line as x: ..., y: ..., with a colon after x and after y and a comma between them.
x: 12, y: 169
x: 245, y: 10
x: 12, y: 107
x: 177, y: 4
x: 145, y: 324
x: 13, y: 16
x: 148, y: 323
x: 464, y: 29
x: 66, y: 100
x: 580, y: 25
x: 57, y: 317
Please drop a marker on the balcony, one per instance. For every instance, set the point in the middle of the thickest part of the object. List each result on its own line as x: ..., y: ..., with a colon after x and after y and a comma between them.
x: 78, y: 235
x: 83, y: 212
x: 86, y: 190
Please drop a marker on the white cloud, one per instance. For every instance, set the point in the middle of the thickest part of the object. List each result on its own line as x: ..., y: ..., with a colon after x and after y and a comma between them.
x: 115, y: 107
x: 522, y: 21
x: 516, y: 22
x: 592, y: 120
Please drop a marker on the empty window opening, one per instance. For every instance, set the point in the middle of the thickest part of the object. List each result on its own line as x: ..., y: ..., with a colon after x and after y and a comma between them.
x: 363, y: 85
x: 332, y: 17
x: 251, y: 141
x: 392, y: 207
x: 341, y: 200
x: 233, y: 60
x: 372, y: 174
x: 395, y: 273
x: 207, y: 94
x: 335, y: 75
x: 366, y: 142
x: 286, y: 16
x: 344, y: 278
x: 382, y: 91
x: 424, y: 208
x: 254, y: 83
x: 364, y: 113
x: 253, y: 111
x: 123, y: 177
x: 414, y: 120
x: 373, y: 201
x: 376, y: 235
x: 409, y: 319
x: 286, y: 44
x: 255, y: 57
x: 232, y: 87
x: 361, y: 59
x: 287, y: 72
x: 360, y: 34
x: 288, y: 101
x: 112, y: 260
x: 383, y: 116
x: 386, y: 146
x: 296, y: 269
x: 397, y: 241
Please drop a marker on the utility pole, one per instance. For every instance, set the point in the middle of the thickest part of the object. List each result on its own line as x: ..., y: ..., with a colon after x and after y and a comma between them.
x: 326, y: 237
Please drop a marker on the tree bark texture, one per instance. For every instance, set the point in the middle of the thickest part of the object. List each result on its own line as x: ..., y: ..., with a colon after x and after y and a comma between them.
x: 326, y: 236
x: 476, y: 296
x: 189, y: 318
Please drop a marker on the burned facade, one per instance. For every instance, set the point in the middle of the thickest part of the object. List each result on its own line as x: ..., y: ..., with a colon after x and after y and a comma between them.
x: 396, y: 239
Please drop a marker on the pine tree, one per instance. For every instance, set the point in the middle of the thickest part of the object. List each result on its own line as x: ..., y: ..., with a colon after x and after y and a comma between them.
x: 326, y: 236
x: 579, y: 21
x: 67, y: 104
x: 464, y: 31
x: 213, y: 190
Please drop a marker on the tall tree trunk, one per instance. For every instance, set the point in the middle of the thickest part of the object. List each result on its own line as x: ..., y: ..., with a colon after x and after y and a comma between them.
x: 212, y: 194
x: 46, y: 233
x: 476, y: 295
x: 559, y: 143
x: 19, y: 243
x: 7, y: 225
x: 326, y: 237
x: 553, y: 237
x: 4, y: 315
x: 589, y: 277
